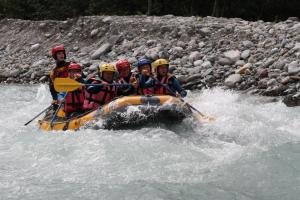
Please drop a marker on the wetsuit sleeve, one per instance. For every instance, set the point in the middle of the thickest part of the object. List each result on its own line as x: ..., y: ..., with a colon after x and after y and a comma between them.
x: 94, y: 89
x: 177, y: 87
x: 146, y: 84
x: 51, y: 86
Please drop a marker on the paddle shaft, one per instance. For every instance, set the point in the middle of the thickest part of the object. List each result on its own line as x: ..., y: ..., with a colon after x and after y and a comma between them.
x: 55, y: 114
x: 38, y: 115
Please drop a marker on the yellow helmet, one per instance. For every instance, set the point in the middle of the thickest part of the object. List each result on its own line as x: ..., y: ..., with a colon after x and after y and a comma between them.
x: 106, y: 67
x: 160, y: 62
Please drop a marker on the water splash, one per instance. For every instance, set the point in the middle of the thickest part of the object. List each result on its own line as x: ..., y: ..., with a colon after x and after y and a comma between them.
x: 151, y: 162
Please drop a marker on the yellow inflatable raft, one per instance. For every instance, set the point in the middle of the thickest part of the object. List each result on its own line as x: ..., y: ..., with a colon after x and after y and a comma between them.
x: 123, y: 112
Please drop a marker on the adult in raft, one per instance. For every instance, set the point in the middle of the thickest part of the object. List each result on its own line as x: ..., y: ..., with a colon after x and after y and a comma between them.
x: 164, y: 82
x: 125, y: 74
x: 59, y: 71
x: 142, y: 81
x: 103, y: 93
x: 73, y: 101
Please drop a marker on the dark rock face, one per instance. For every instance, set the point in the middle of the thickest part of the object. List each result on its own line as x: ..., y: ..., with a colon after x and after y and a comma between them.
x: 292, y: 100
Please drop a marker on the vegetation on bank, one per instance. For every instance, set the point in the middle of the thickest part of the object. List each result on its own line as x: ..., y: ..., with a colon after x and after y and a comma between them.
x: 268, y: 10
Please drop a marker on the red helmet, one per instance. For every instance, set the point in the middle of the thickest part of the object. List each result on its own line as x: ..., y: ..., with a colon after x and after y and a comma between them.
x: 57, y: 49
x: 122, y: 64
x: 74, y: 66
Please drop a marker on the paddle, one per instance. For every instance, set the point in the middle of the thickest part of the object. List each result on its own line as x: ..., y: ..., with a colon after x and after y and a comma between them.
x: 68, y: 84
x: 200, y: 115
x: 55, y: 114
x: 46, y: 109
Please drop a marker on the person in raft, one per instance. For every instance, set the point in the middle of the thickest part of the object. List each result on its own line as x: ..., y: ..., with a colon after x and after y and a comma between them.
x: 125, y: 74
x: 142, y: 81
x: 59, y: 71
x: 164, y: 82
x: 103, y: 93
x: 73, y: 101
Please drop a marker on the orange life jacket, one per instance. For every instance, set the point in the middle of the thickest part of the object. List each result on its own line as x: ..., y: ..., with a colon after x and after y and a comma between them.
x: 106, y: 94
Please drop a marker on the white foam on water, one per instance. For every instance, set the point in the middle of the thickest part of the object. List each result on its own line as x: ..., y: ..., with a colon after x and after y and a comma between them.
x: 149, y: 163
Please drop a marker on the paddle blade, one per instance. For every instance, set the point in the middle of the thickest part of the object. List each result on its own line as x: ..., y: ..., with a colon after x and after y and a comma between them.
x: 204, y: 118
x: 66, y: 84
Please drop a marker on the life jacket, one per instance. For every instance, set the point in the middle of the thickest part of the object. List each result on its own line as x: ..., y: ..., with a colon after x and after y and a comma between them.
x: 106, y: 94
x: 126, y: 90
x: 144, y: 91
x: 59, y: 72
x: 74, y: 101
x: 163, y: 86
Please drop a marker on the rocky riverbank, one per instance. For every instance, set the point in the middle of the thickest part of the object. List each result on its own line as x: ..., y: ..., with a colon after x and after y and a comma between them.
x: 256, y: 57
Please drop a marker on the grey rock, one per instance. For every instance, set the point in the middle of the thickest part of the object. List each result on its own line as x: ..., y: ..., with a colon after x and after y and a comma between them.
x: 262, y: 73
x: 94, y: 32
x: 195, y: 55
x: 176, y: 51
x: 247, y: 44
x: 195, y: 70
x: 292, y: 100
x: 206, y: 65
x: 198, y: 63
x: 271, y: 82
x: 269, y: 62
x: 151, y: 42
x: 102, y: 50
x: 193, y: 78
x: 48, y: 35
x: 245, y: 54
x: 107, y: 19
x: 33, y: 75
x: 76, y: 48
x: 94, y: 67
x: 225, y: 61
x: 233, y: 55
x: 14, y: 73
x: 276, y: 90
x: 153, y: 53
x: 239, y: 63
x: 293, y: 68
x: 201, y: 44
x: 35, y: 47
x: 232, y: 80
x: 181, y: 44
x: 40, y: 63
x: 42, y: 25
x: 43, y: 79
x: 263, y: 83
x: 207, y: 72
x: 280, y: 64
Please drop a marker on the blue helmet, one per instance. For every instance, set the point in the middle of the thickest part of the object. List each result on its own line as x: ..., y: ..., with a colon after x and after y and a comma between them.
x: 143, y: 61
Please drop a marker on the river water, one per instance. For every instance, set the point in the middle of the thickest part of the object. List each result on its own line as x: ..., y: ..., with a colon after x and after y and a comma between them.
x: 252, y: 151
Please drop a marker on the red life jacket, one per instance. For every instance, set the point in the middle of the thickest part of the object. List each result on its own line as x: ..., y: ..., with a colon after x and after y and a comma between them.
x: 74, y: 101
x: 106, y: 94
x: 145, y: 91
x: 160, y: 88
